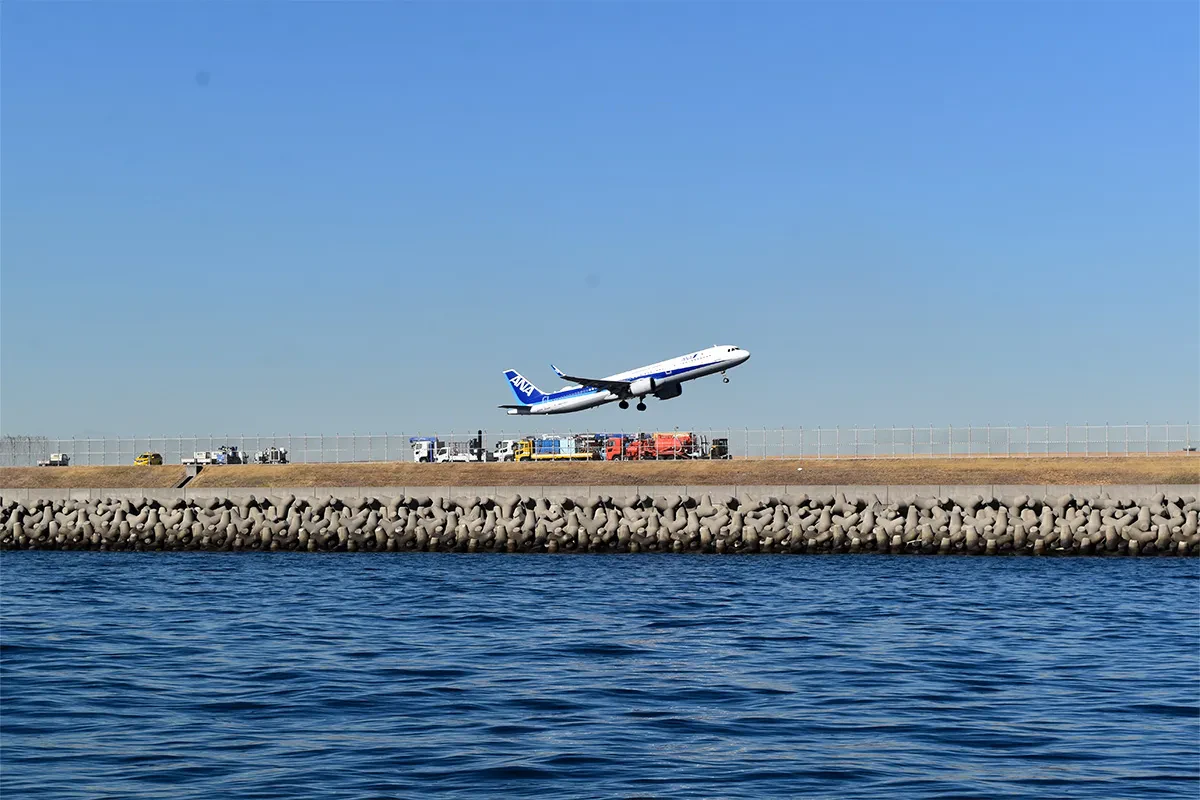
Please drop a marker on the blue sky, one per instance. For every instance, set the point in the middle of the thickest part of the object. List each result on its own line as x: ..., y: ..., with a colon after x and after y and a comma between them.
x: 331, y: 217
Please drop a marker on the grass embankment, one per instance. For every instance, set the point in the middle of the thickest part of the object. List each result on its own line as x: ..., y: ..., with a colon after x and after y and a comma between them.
x: 1094, y: 470
x: 124, y: 477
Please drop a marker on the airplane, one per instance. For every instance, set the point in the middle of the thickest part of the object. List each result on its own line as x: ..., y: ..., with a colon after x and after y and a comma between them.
x: 663, y: 379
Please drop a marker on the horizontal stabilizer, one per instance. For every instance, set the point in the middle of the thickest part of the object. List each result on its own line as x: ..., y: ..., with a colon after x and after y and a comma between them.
x: 517, y: 409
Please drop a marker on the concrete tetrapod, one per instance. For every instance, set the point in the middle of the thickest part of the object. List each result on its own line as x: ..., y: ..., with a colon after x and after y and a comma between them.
x: 1063, y: 525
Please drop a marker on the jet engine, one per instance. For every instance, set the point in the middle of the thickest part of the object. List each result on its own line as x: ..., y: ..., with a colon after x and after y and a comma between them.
x: 669, y: 391
x: 641, y: 387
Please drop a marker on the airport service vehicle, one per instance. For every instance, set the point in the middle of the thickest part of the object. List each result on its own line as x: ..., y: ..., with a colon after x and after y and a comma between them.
x: 425, y: 448
x: 56, y: 460
x: 581, y: 447
x: 454, y: 453
x: 148, y: 460
x: 272, y: 455
x: 199, y: 457
x: 506, y: 450
x: 430, y: 449
x: 564, y: 448
x: 663, y: 379
x: 228, y: 454
x: 668, y: 445
x: 719, y: 449
x: 660, y: 446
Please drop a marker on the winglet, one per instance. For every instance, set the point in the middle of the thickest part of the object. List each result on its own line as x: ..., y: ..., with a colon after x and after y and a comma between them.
x: 557, y: 371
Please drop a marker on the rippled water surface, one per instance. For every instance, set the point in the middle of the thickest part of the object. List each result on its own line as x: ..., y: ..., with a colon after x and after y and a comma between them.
x: 209, y: 675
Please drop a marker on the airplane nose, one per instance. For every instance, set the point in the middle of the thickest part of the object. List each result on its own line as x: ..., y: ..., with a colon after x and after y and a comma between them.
x: 743, y: 356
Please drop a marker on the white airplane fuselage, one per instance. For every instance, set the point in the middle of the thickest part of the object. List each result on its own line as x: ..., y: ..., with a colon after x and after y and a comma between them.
x: 663, y: 379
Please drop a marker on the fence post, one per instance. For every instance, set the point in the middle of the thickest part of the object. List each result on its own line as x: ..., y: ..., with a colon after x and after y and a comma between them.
x: 1147, y: 438
x: 837, y: 441
x: 949, y: 440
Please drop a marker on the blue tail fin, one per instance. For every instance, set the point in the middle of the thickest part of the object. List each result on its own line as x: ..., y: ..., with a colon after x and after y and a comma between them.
x: 525, y: 391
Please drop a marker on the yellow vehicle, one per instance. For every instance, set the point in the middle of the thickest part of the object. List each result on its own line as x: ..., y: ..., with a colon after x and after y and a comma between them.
x: 547, y: 450
x: 148, y: 459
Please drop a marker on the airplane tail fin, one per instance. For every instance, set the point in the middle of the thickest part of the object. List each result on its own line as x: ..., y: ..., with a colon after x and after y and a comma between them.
x: 523, y: 388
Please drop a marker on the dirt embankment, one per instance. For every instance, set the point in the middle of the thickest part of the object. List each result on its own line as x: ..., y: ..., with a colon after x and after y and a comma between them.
x: 1094, y: 470
x: 123, y: 477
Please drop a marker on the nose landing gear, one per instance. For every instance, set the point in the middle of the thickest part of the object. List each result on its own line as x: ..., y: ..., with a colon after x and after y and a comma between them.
x: 725, y: 380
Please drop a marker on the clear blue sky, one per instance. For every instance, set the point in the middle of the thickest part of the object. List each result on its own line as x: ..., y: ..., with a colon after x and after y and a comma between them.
x: 330, y: 216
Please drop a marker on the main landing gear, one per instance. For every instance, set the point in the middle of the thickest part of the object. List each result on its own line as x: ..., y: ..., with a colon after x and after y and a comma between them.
x: 623, y: 404
x: 641, y: 406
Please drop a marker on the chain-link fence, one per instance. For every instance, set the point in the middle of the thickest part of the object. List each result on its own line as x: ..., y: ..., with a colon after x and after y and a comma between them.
x: 754, y: 443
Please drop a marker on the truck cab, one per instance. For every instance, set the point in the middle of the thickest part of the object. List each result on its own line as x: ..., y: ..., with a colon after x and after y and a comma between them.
x: 424, y: 448
x: 506, y: 450
x: 614, y: 446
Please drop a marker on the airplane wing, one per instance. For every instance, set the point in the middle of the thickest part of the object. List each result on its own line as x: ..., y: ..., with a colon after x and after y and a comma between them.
x: 619, y: 388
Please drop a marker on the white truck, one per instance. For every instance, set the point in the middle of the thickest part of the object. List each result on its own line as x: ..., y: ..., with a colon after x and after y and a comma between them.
x: 55, y: 460
x: 506, y: 450
x: 431, y: 450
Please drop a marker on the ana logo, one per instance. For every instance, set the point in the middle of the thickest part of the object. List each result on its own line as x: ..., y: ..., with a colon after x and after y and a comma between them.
x: 522, y: 385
